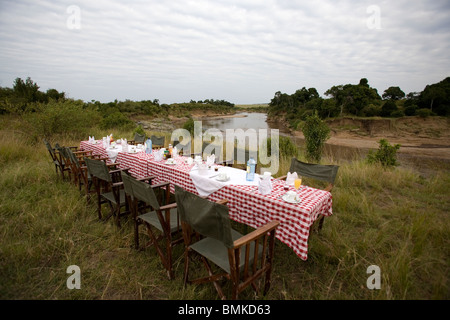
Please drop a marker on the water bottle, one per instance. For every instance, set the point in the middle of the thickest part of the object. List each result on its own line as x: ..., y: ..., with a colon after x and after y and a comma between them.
x: 251, y: 165
x: 148, y: 147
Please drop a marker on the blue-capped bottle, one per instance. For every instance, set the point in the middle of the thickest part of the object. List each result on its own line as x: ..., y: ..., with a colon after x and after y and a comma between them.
x: 251, y: 166
x: 148, y: 146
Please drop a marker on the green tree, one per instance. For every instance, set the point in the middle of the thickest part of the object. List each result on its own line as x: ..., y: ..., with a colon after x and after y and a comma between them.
x: 436, y: 97
x: 393, y: 93
x: 316, y: 133
x: 28, y: 90
x: 353, y: 99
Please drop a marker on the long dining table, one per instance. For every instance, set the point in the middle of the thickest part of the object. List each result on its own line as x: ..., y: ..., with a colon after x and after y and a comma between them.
x: 246, y: 203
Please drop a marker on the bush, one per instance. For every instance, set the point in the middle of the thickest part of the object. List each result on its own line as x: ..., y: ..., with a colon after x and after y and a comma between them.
x: 139, y: 130
x: 57, y: 117
x: 397, y: 114
x: 386, y: 154
x: 116, y: 120
x: 424, y: 113
x: 388, y: 107
x: 286, y: 147
x: 410, y: 110
x: 189, y: 126
x: 371, y: 111
x: 316, y: 132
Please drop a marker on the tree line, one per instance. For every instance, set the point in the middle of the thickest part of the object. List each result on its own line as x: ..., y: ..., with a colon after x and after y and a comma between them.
x: 361, y: 100
x: 25, y: 96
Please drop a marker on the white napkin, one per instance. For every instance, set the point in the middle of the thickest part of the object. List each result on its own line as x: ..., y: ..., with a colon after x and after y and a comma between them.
x: 124, y: 145
x: 207, y: 184
x: 210, y: 160
x: 265, y: 184
x: 174, y: 151
x: 159, y: 155
x: 290, y: 179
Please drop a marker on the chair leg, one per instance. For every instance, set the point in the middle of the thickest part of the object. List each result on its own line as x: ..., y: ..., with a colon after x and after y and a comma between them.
x: 320, y: 223
x: 166, y: 259
x: 214, y: 279
x: 99, y: 208
x: 116, y: 214
x: 186, y: 266
x: 136, y: 234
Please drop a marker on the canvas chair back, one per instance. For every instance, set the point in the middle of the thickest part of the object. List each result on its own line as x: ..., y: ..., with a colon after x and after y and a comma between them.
x: 321, y: 172
x: 72, y: 157
x: 210, y: 219
x: 61, y: 150
x: 50, y: 149
x: 158, y: 141
x: 98, y: 169
x: 140, y: 190
x: 139, y: 138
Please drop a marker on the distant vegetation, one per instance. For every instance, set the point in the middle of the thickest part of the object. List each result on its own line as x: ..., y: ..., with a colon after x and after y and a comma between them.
x: 50, y: 113
x: 361, y: 100
x: 25, y: 97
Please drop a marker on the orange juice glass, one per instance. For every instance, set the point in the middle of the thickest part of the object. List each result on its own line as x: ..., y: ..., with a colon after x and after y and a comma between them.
x: 298, y: 183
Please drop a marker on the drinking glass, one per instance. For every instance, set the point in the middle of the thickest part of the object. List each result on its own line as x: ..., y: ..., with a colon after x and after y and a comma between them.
x: 298, y: 182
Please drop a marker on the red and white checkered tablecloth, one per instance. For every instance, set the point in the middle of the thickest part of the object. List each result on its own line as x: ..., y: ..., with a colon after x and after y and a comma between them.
x: 246, y: 205
x: 96, y: 149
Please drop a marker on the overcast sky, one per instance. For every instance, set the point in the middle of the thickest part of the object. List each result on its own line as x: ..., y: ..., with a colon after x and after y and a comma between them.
x: 242, y: 51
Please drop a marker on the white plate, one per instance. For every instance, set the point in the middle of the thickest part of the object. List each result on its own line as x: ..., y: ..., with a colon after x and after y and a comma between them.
x: 222, y: 180
x: 170, y: 163
x: 288, y: 200
x: 132, y: 151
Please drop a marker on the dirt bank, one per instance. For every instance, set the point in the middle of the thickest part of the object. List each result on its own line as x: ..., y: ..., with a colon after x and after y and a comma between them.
x: 429, y: 137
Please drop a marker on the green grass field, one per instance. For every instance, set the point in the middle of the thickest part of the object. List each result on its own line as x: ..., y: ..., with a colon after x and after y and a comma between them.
x: 391, y: 218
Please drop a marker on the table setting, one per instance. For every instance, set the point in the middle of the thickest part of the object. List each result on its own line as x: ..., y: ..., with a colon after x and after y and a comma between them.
x: 253, y: 203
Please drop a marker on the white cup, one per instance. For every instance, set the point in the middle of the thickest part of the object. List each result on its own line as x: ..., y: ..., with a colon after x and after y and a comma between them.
x: 291, y: 196
x: 222, y: 176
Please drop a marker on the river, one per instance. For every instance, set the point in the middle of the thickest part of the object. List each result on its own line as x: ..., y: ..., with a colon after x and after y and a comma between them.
x: 258, y: 120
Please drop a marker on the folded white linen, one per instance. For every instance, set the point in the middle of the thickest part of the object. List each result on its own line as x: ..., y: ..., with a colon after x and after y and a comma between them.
x: 265, y: 184
x: 113, y: 152
x: 290, y: 179
x: 207, y: 184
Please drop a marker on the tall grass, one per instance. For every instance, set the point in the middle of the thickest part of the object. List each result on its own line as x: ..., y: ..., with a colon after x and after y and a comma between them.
x: 393, y: 218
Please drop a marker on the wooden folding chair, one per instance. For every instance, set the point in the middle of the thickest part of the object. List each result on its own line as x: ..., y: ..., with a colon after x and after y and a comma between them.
x: 242, y: 259
x: 321, y: 172
x: 161, y: 220
x: 109, y: 188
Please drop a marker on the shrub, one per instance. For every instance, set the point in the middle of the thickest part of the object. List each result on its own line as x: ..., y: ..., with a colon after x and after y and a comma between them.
x: 189, y: 126
x: 371, y: 111
x: 388, y: 107
x: 410, y: 110
x: 424, y: 113
x: 397, y: 114
x: 139, y: 130
x: 316, y: 132
x: 58, y: 117
x: 116, y: 120
x: 286, y: 147
x: 386, y: 154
